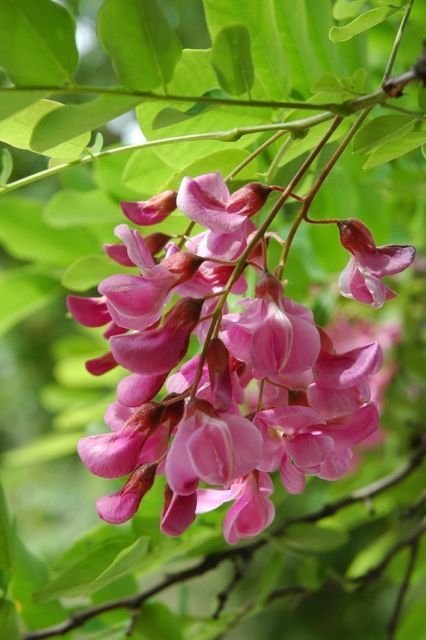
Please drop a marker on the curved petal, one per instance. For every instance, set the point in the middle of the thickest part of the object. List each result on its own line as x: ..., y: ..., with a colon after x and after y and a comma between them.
x: 90, y: 312
x: 136, y: 389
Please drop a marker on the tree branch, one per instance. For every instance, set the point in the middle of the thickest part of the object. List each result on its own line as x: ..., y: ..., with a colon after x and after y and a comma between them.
x: 132, y: 603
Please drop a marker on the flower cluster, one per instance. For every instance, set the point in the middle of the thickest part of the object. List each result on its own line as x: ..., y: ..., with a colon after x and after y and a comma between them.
x: 268, y: 392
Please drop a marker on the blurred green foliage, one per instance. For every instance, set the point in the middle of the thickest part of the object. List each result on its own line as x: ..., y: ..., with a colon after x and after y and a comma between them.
x: 54, y: 554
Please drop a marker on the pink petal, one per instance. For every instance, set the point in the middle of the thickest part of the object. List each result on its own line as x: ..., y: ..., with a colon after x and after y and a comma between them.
x: 179, y: 514
x: 118, y: 508
x: 210, y: 450
x: 111, y: 455
x: 271, y: 344
x: 334, y: 371
x: 116, y: 415
x: 118, y: 253
x: 362, y: 424
x: 210, y: 499
x: 179, y: 471
x: 204, y: 199
x: 134, y: 302
x: 247, y: 443
x: 153, y: 211
x: 250, y: 515
x: 137, y: 249
x: 336, y: 464
x: 101, y: 365
x: 90, y: 312
x: 292, y: 479
x: 308, y: 451
x: 334, y: 403
x: 136, y: 389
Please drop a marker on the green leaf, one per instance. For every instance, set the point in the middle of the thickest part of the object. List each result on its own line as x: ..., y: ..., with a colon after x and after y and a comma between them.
x: 8, y: 621
x: 6, y: 166
x: 157, y: 622
x: 362, y: 23
x: 231, y: 59
x: 269, y: 57
x: 22, y: 293
x: 88, y: 271
x: 316, y: 538
x: 143, y: 46
x: 42, y: 449
x: 102, y: 565
x: 396, y: 148
x: 421, y: 98
x: 69, y: 208
x: 146, y: 171
x: 126, y: 562
x: 380, y: 130
x: 37, y: 45
x: 221, y: 161
x: 15, y: 100
x: 5, y: 533
x: 29, y: 573
x: 343, y: 9
x: 17, y: 131
x: 74, y: 120
x: 26, y: 236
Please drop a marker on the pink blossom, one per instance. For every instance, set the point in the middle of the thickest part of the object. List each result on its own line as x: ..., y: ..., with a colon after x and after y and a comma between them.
x: 216, y: 448
x: 273, y: 334
x: 361, y: 278
x: 252, y: 511
x: 121, y: 506
x: 178, y: 512
x: 157, y: 351
x: 207, y: 200
x: 90, y: 312
x: 151, y: 211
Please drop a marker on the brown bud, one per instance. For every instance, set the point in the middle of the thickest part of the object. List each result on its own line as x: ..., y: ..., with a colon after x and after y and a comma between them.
x: 269, y: 287
x: 151, y: 211
x: 183, y: 264
x: 185, y: 313
x: 355, y: 236
x: 172, y: 413
x: 156, y: 242
x: 249, y: 199
x: 297, y: 397
x: 220, y: 374
x: 142, y: 479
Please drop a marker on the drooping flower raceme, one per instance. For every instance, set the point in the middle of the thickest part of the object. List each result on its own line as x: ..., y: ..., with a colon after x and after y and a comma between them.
x: 268, y: 392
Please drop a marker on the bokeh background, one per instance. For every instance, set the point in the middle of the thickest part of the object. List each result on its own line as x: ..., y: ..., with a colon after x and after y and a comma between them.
x: 48, y: 401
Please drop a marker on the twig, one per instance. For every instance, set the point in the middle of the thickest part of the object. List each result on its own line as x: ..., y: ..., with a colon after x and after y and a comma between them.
x: 394, y: 619
x: 223, y: 596
x: 397, y: 41
x: 79, y: 618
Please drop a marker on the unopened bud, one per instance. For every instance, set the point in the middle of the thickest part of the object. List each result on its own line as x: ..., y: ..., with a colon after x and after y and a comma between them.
x: 249, y: 199
x: 183, y: 264
x: 151, y: 211
x: 269, y: 287
x: 185, y: 313
x: 220, y: 374
x: 355, y: 236
x: 156, y: 242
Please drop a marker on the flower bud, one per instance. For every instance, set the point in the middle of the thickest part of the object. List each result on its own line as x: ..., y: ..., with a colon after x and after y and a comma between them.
x: 220, y: 374
x: 183, y: 264
x: 151, y: 211
x: 249, y: 199
x: 156, y: 241
x: 269, y: 286
x: 355, y: 236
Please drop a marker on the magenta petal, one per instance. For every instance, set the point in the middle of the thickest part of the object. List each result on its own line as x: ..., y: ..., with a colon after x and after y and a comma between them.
x: 101, y: 365
x: 305, y: 347
x: 334, y: 403
x: 362, y: 424
x: 151, y: 352
x: 134, y: 302
x: 336, y: 464
x: 118, y: 253
x: 308, y: 451
x: 348, y: 369
x: 136, y: 389
x: 111, y: 455
x: 90, y: 312
x: 247, y: 443
x: 118, y: 508
x: 210, y: 450
x: 179, y: 471
x: 204, y: 199
x: 271, y: 344
x: 152, y: 211
x: 179, y: 514
x: 388, y: 260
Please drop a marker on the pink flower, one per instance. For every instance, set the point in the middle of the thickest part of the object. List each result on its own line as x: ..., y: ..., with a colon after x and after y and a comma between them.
x: 116, y: 454
x: 151, y: 211
x: 121, y: 506
x: 215, y: 448
x: 157, y: 351
x: 341, y: 380
x: 90, y: 312
x: 178, y: 512
x: 252, y: 511
x: 206, y: 200
x: 273, y: 334
x: 361, y: 278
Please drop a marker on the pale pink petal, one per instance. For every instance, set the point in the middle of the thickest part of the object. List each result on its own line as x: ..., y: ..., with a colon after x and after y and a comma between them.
x: 210, y: 499
x: 293, y: 479
x: 249, y: 516
x: 336, y: 464
x: 137, y: 249
x: 210, y: 450
x: 116, y: 415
